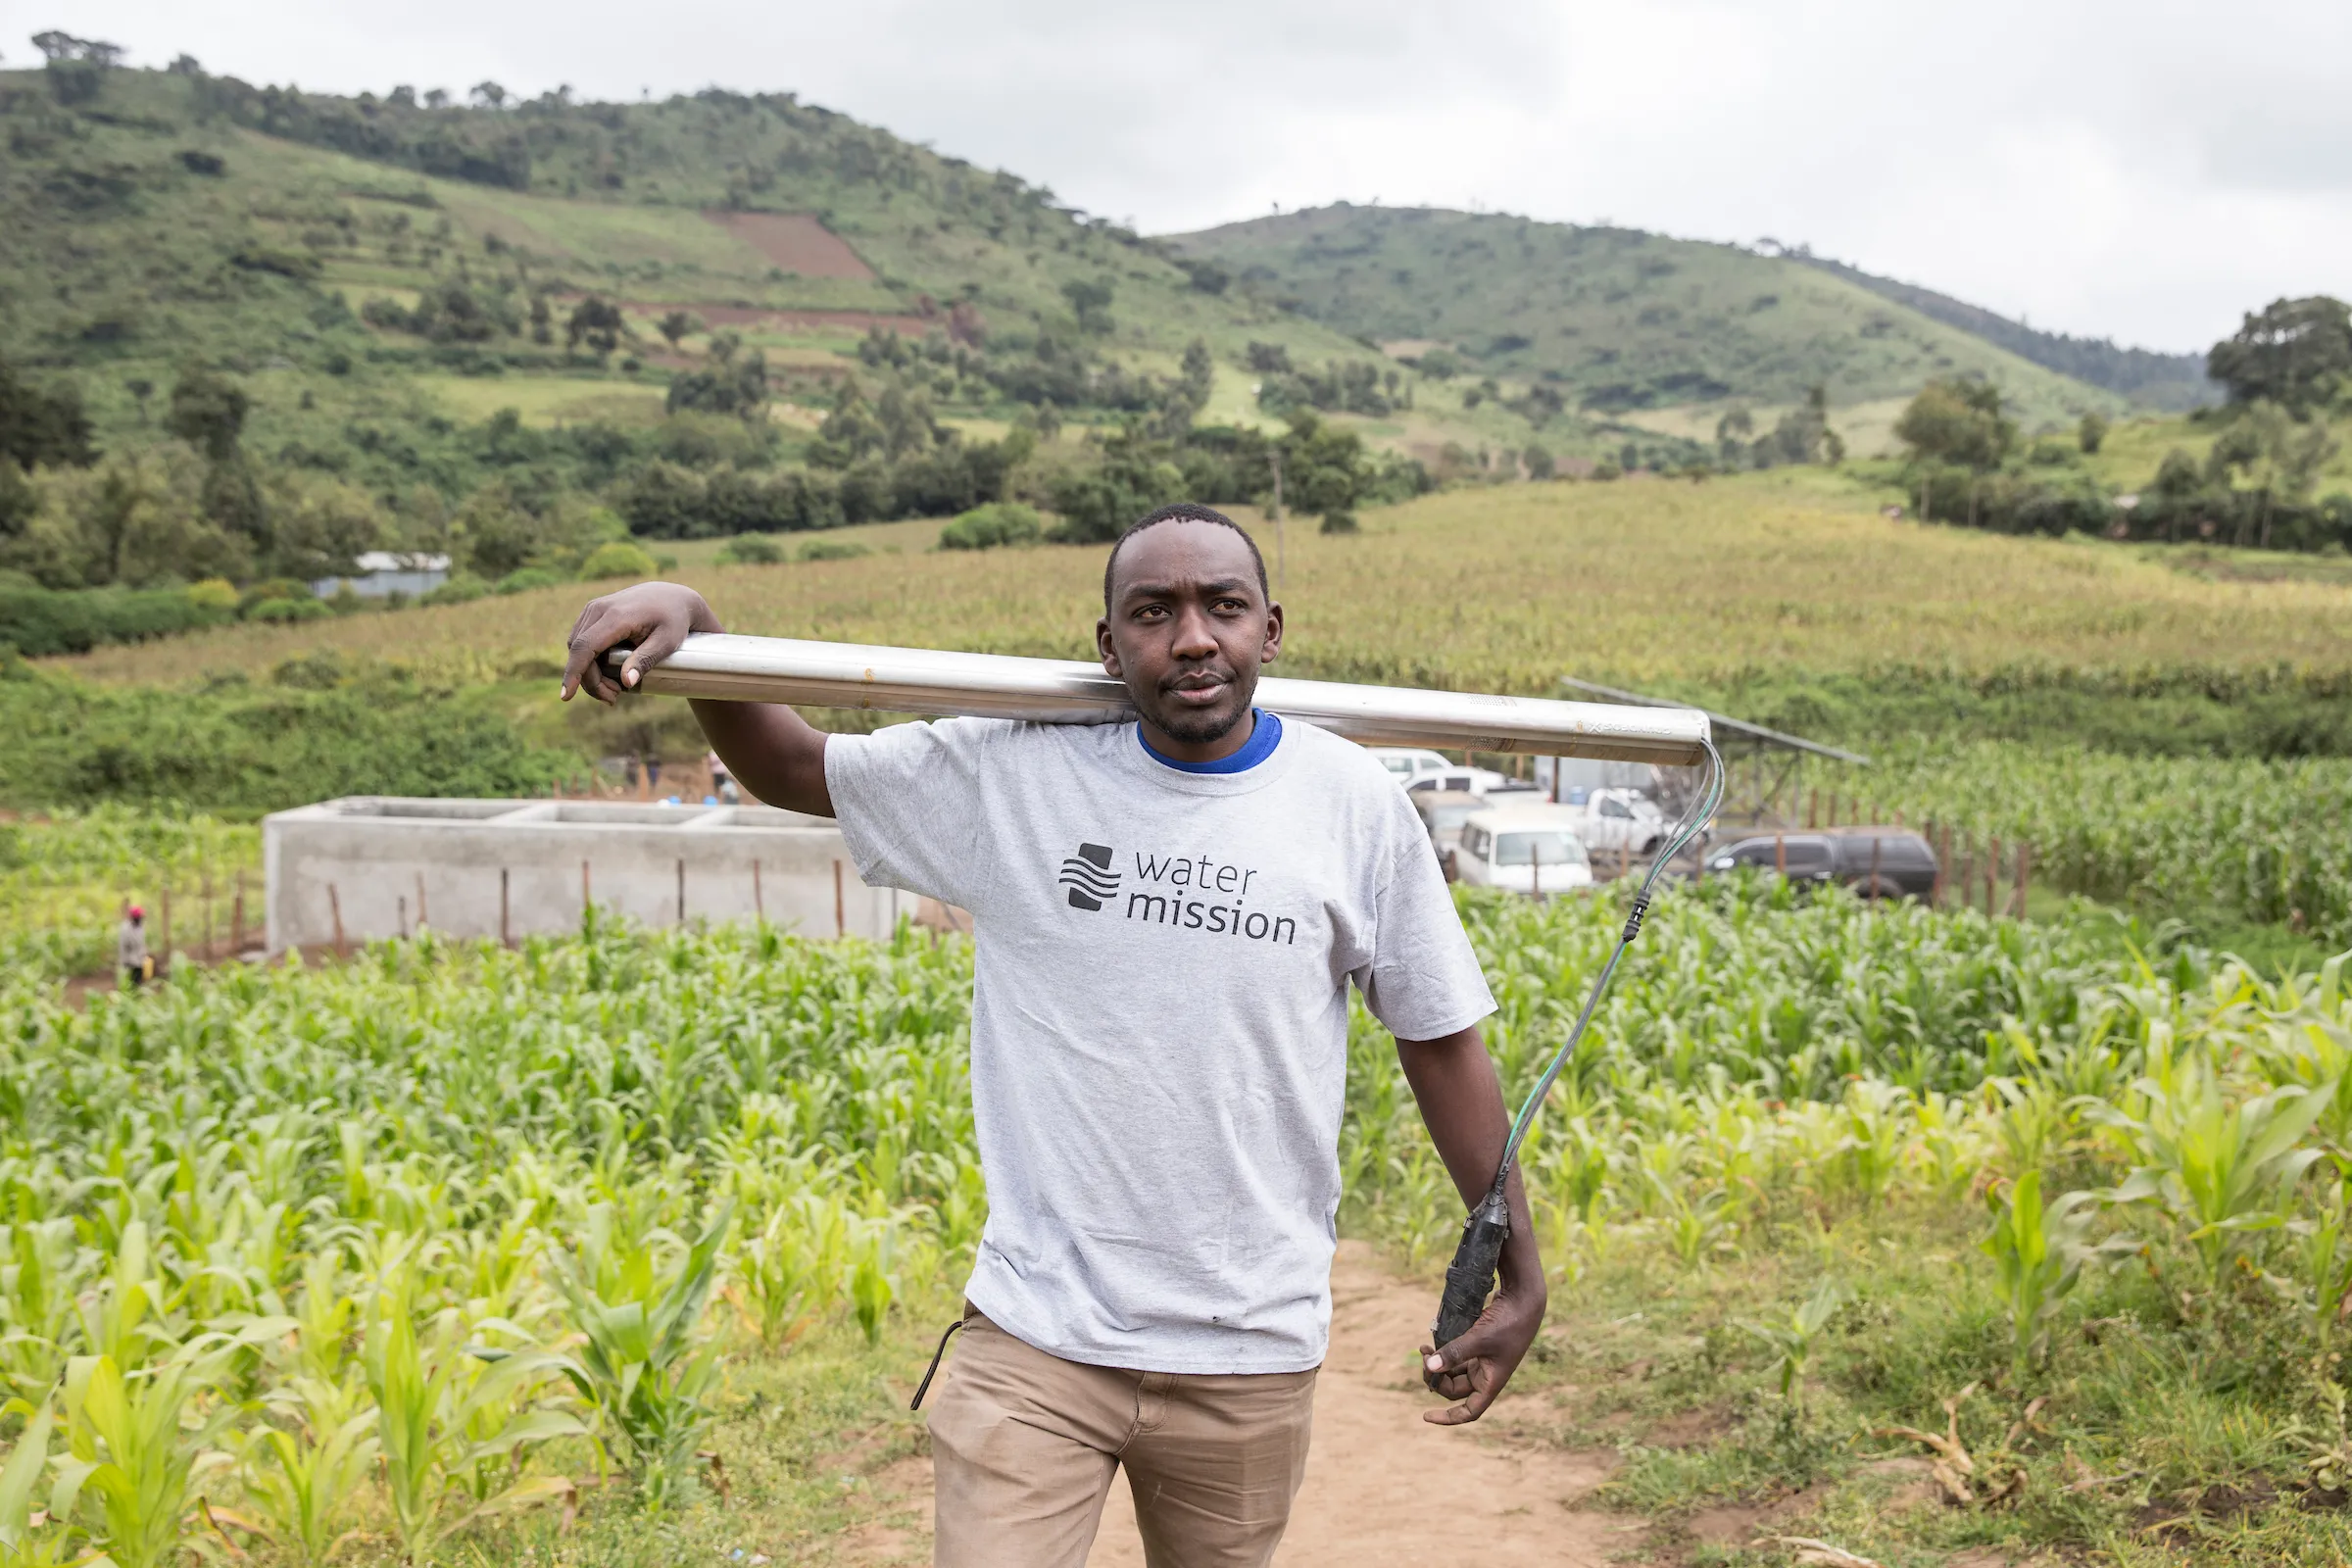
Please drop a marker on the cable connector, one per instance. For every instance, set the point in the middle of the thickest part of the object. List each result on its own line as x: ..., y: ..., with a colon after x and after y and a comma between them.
x: 1633, y: 921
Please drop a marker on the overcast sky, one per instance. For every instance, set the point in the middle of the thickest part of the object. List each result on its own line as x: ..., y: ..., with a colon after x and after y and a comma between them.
x: 2145, y: 170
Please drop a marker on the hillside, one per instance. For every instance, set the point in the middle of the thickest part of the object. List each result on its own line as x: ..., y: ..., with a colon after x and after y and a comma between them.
x: 1619, y: 320
x: 2150, y: 379
x: 174, y: 217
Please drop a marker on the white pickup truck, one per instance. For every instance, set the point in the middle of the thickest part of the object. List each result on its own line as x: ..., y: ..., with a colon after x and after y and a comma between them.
x: 1620, y: 820
x: 1421, y: 771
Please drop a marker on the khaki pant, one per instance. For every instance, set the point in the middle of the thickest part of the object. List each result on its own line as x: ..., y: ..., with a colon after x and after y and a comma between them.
x: 1023, y: 1447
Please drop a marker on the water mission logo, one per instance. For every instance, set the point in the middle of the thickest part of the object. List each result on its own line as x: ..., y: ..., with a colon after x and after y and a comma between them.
x: 1089, y: 877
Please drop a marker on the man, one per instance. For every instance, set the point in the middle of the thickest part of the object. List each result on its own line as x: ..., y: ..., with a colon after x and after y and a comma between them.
x: 131, y: 948
x: 1167, y: 914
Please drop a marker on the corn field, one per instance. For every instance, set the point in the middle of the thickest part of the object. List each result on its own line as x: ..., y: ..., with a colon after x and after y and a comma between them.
x: 387, y: 1255
x: 1462, y: 589
x: 65, y: 876
x: 2264, y: 841
x: 403, y: 1249
x: 1767, y: 1055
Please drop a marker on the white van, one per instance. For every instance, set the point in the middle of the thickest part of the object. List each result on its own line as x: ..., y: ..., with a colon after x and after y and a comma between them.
x: 1532, y: 849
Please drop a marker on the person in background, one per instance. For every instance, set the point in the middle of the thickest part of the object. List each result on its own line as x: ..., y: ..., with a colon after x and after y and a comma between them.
x: 130, y: 946
x: 721, y: 786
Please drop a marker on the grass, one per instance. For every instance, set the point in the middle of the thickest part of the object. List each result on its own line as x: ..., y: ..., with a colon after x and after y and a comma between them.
x: 1504, y: 589
x: 2157, y: 1443
x: 812, y: 1443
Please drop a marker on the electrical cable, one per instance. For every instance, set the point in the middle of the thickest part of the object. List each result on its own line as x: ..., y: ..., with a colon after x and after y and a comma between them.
x: 1470, y: 1278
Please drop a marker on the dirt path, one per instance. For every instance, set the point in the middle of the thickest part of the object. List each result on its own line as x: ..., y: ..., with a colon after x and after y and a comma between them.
x: 1383, y: 1487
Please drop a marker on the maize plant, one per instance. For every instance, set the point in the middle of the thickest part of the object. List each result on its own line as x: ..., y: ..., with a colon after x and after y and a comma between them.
x: 646, y: 1366
x: 134, y: 1453
x: 432, y: 1394
x: 32, y: 1538
x: 2037, y: 1255
x: 792, y: 1266
x: 2220, y: 1171
x: 303, y: 1482
x: 1792, y: 1339
x: 2324, y: 1253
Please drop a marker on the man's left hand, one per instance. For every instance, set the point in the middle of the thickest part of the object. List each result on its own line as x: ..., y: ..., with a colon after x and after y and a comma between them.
x: 1474, y: 1368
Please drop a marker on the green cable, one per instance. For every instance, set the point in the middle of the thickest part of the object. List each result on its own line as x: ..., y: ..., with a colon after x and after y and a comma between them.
x: 1693, y: 821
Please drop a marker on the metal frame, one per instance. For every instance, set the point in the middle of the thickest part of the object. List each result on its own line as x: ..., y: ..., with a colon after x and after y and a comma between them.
x: 1761, y: 765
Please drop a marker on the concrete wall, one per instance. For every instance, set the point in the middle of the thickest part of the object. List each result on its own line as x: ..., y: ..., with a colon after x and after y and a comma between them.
x: 508, y: 868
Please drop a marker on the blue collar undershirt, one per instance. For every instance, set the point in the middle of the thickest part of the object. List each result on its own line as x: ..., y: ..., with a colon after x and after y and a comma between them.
x: 1260, y: 746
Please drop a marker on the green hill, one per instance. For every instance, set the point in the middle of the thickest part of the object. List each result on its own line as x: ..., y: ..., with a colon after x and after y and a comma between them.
x: 168, y: 217
x: 2168, y: 381
x: 1616, y: 319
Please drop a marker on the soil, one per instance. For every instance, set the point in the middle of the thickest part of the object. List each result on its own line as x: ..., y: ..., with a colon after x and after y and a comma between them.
x: 761, y: 316
x: 1736, y: 1523
x: 1691, y: 1428
x: 796, y: 242
x: 1384, y: 1489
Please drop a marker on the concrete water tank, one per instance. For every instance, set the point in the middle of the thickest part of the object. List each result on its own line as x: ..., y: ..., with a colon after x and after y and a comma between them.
x: 347, y: 870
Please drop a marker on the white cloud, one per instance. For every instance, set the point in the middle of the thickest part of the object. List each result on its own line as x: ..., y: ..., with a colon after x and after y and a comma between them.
x: 2141, y: 170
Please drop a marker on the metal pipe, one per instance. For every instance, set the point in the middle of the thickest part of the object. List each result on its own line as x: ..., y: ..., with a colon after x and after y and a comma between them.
x: 926, y: 681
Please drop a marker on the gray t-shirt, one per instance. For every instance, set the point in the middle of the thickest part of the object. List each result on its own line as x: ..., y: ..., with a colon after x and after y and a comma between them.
x: 1159, y: 1014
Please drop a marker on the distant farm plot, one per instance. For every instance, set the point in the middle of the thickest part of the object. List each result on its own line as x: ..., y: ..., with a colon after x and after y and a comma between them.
x: 796, y: 242
x: 703, y: 261
x: 548, y: 399
x: 1867, y: 428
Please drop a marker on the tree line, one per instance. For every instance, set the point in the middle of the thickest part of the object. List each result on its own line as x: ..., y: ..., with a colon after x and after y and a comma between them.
x: 2287, y: 372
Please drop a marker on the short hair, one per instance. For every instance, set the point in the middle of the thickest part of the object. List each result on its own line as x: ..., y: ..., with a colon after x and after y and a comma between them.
x: 1184, y: 512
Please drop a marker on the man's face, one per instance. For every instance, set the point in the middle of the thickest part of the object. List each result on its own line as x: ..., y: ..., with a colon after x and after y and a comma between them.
x: 1188, y: 629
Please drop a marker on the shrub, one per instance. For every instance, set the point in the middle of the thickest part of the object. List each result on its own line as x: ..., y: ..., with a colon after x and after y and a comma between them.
x: 1338, y: 523
x: 38, y: 621
x: 289, y: 610
x: 216, y: 596
x: 255, y: 594
x: 999, y: 522
x: 752, y: 550
x: 529, y: 577
x: 1097, y: 505
x: 260, y: 748
x: 455, y: 591
x: 619, y: 558
x: 833, y: 550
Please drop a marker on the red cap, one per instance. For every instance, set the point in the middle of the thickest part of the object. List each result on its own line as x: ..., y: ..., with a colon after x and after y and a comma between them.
x: 137, y: 913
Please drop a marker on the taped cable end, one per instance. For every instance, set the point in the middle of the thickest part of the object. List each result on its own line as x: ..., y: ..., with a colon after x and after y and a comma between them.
x: 1633, y: 921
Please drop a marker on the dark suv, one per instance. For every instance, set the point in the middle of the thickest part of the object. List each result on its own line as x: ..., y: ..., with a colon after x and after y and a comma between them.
x: 1877, y: 863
